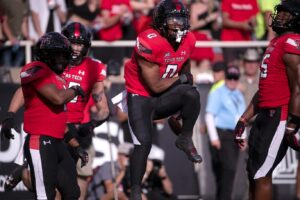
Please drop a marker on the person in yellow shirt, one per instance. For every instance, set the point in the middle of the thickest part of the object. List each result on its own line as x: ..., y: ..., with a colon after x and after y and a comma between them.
x: 262, y: 30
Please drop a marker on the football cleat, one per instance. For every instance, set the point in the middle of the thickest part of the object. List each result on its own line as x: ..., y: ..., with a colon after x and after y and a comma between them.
x: 187, y: 146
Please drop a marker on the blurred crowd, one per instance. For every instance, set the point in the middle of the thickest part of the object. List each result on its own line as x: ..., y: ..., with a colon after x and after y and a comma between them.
x: 112, y: 20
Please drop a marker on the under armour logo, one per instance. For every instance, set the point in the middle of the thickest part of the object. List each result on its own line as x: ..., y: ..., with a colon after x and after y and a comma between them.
x: 46, y: 142
x: 80, y: 72
x: 272, y: 112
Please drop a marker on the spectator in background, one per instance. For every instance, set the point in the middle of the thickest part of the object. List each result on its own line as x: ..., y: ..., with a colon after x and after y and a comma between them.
x: 250, y: 76
x: 239, y: 20
x: 15, y: 28
x: 218, y: 69
x: 221, y: 116
x: 204, y: 15
x: 104, y: 182
x: 46, y: 16
x: 156, y: 182
x: 262, y: 29
x: 114, y: 14
x: 142, y: 11
x: 85, y: 12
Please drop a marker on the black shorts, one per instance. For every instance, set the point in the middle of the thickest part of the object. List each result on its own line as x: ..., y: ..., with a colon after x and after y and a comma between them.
x: 51, y: 167
x: 266, y: 146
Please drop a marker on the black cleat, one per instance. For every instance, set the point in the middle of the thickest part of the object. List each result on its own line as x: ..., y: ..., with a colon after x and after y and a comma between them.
x: 136, y: 192
x: 14, y: 178
x: 186, y: 144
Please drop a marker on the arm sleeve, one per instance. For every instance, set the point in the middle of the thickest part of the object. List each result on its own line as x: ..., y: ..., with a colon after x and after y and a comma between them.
x: 211, y: 128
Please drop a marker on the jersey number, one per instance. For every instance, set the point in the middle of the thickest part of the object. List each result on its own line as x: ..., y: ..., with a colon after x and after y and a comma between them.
x: 74, y: 100
x: 170, y: 70
x: 264, y: 67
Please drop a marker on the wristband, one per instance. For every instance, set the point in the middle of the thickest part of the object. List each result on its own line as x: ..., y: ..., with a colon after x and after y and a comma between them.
x: 289, y: 129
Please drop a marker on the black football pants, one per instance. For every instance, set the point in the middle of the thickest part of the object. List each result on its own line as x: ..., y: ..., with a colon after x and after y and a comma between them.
x: 142, y: 111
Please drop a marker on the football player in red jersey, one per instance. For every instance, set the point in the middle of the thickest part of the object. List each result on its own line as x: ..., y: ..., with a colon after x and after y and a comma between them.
x: 276, y: 103
x: 159, y: 84
x: 45, y: 118
x: 89, y: 74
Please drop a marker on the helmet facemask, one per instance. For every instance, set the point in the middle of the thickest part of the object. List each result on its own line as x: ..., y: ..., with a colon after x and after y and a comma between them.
x: 60, y: 63
x: 171, y: 19
x: 176, y: 28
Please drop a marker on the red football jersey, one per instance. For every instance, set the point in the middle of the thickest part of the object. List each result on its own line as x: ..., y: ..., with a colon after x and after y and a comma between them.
x: 274, y: 88
x: 41, y: 117
x: 239, y: 11
x: 85, y: 75
x: 155, y: 48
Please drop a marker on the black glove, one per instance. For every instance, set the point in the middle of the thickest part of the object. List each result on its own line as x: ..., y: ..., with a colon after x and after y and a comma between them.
x: 7, y: 124
x: 290, y: 138
x: 291, y: 129
x: 239, y: 129
x: 78, y: 90
x: 87, y: 129
x: 82, y: 154
x: 186, y: 78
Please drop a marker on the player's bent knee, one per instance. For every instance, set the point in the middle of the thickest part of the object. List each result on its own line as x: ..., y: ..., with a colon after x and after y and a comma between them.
x: 193, y: 94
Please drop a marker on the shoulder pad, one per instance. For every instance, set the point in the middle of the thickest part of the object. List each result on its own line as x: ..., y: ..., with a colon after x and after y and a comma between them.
x: 33, y: 72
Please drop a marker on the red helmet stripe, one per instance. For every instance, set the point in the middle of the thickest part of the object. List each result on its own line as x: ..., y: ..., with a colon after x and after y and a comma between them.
x: 77, y: 30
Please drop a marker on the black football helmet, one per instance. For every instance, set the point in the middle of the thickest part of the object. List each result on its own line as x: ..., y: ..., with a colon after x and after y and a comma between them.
x: 54, y: 49
x: 77, y: 33
x: 171, y: 19
x: 286, y: 24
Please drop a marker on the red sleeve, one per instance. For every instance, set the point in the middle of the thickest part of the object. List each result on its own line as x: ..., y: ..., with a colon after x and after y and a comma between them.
x: 105, y: 5
x: 225, y: 7
x: 255, y: 8
x: 146, y: 47
x: 292, y: 45
x: 99, y: 69
x: 38, y: 76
